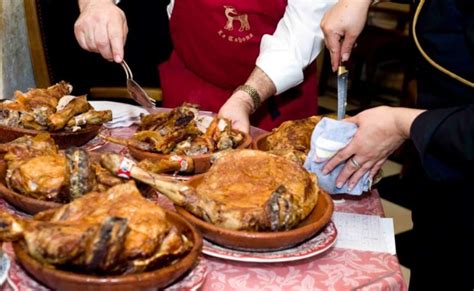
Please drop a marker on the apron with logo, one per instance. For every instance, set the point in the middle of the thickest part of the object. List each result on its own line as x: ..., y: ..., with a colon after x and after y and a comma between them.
x: 216, y: 44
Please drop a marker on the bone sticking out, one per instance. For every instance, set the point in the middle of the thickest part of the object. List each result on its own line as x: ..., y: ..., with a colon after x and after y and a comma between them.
x: 128, y: 142
x: 126, y: 168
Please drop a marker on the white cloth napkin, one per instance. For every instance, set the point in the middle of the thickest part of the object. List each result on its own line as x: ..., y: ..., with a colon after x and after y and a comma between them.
x: 329, y: 136
x: 123, y: 114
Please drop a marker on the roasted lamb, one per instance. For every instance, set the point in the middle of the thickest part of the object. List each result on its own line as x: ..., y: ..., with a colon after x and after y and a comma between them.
x: 243, y: 190
x: 182, y: 131
x: 50, y: 109
x: 37, y: 169
x: 292, y: 139
x: 116, y: 232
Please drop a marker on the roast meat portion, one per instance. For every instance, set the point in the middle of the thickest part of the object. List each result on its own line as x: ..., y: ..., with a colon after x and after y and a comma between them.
x: 115, y: 232
x: 243, y: 190
x: 50, y: 109
x: 37, y: 169
x: 292, y: 139
x: 182, y: 131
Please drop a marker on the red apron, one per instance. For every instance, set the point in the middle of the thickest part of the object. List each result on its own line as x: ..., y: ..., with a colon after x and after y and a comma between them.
x: 216, y: 44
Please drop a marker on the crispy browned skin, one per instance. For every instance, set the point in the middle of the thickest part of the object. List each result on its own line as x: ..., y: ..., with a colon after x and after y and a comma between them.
x: 118, y: 231
x: 35, y: 167
x: 253, y: 181
x: 294, y: 134
x: 292, y: 139
x: 48, y: 97
x: 41, y: 177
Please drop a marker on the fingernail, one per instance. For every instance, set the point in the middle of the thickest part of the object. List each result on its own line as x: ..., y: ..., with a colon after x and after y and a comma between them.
x: 345, y: 57
x: 339, y: 185
x: 325, y: 172
x: 117, y: 59
x: 350, y: 187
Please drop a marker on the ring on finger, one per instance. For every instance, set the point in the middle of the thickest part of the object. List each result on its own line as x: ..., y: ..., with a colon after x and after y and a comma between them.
x: 355, y: 163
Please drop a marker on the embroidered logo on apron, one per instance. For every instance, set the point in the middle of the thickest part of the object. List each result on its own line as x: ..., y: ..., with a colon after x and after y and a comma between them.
x: 232, y: 15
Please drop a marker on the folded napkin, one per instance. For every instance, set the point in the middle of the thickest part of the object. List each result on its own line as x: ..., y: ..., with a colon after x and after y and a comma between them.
x: 123, y: 115
x: 329, y: 136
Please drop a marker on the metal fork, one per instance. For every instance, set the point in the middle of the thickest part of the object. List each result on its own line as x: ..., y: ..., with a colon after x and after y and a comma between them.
x: 136, y: 91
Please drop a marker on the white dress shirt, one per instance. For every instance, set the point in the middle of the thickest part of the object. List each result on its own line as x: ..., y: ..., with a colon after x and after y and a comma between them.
x: 294, y: 45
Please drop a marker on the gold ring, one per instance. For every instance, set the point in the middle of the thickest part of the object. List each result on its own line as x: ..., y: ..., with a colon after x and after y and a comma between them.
x: 355, y: 163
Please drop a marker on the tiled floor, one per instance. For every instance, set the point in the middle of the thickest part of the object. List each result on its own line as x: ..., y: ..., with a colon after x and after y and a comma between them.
x: 391, y: 169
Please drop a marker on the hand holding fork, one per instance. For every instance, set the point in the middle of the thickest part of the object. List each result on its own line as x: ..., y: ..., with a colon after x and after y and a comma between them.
x: 137, y: 92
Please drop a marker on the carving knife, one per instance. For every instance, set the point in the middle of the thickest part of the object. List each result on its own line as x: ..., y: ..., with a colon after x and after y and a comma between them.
x: 342, y: 75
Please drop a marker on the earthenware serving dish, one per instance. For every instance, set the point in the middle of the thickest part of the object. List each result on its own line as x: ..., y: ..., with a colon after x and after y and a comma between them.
x: 58, y: 279
x: 63, y: 138
x: 261, y: 241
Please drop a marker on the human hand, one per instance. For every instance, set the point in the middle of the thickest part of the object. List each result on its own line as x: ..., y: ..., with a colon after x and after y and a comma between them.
x: 341, y: 26
x: 102, y: 28
x: 238, y: 108
x: 381, y: 131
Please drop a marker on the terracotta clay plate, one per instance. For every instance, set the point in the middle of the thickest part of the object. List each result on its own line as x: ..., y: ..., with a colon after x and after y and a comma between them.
x: 22, y: 202
x: 260, y: 142
x: 63, y: 280
x: 202, y: 163
x: 63, y: 139
x: 264, y: 241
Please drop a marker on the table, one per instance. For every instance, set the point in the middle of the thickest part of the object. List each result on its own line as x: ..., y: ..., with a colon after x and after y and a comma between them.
x: 335, y: 269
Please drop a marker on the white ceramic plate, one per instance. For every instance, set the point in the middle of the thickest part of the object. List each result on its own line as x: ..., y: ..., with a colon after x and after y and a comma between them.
x: 314, y: 246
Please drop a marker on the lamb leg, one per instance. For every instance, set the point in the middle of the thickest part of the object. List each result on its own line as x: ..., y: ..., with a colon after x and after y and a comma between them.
x: 180, y: 194
x: 129, y: 142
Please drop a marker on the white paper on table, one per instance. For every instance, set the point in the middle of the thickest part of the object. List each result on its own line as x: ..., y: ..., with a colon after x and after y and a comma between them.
x: 364, y: 232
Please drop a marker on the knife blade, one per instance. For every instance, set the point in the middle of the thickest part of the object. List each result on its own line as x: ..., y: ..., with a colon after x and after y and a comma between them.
x: 342, y: 76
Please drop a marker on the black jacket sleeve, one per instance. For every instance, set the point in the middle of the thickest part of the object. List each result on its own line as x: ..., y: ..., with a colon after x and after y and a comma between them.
x: 445, y: 140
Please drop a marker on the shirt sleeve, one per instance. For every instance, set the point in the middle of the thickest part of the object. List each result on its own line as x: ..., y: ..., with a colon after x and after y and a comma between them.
x: 169, y: 8
x: 445, y: 140
x: 294, y: 45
